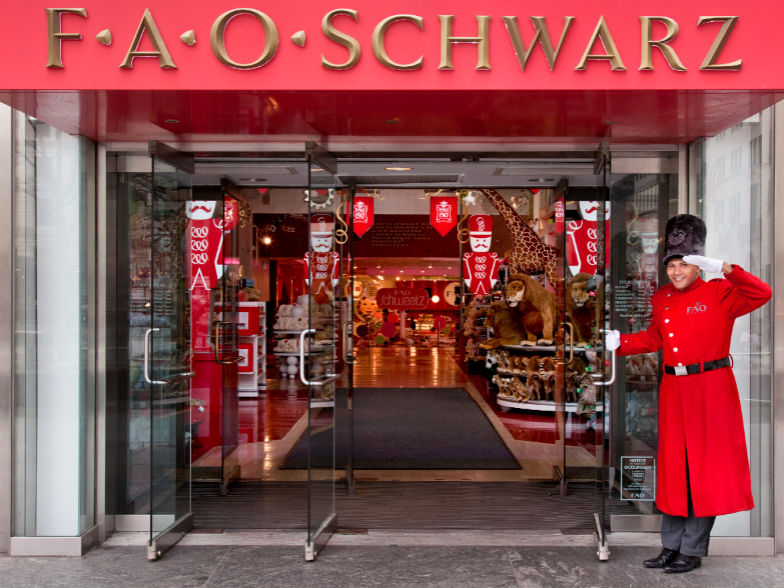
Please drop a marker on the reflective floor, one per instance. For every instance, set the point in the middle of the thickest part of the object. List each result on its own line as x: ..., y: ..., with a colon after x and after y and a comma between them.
x: 271, y: 424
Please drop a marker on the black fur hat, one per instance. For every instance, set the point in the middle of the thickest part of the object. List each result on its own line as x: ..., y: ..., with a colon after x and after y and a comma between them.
x: 684, y: 235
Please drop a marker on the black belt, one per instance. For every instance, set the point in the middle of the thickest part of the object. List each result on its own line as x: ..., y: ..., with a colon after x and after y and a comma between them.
x: 696, y: 368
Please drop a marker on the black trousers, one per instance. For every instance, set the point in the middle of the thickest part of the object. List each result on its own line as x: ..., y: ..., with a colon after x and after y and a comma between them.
x: 688, y: 535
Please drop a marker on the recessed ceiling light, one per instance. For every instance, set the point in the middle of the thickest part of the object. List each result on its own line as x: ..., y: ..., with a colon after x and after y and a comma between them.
x: 398, y: 168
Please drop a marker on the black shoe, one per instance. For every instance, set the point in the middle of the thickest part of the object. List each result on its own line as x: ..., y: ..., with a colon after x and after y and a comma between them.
x: 683, y: 563
x: 661, y: 560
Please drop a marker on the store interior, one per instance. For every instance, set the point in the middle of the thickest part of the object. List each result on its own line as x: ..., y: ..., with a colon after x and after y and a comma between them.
x: 441, y: 393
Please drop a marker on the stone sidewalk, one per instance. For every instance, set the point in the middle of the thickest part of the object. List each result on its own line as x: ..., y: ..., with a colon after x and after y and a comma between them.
x: 376, y: 560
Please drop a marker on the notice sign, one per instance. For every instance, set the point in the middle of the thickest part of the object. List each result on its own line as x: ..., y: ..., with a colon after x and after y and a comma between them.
x: 638, y: 478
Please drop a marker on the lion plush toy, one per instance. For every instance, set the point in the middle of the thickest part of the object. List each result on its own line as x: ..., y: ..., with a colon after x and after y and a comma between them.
x: 506, y: 326
x: 580, y: 308
x: 535, y: 305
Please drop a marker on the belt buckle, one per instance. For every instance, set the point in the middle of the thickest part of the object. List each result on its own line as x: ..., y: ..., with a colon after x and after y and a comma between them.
x: 680, y: 370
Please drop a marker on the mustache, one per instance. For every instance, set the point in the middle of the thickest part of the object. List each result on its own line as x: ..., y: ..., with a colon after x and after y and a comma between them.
x: 592, y: 209
x: 199, y: 207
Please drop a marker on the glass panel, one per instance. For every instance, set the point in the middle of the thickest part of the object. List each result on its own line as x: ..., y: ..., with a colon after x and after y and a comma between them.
x: 212, y: 261
x: 323, y: 261
x: 227, y: 342
x: 167, y: 357
x: 641, y: 205
x: 734, y: 198
x: 54, y: 396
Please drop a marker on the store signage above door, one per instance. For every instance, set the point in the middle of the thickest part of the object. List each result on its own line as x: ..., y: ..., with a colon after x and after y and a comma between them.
x: 402, y: 298
x: 370, y: 45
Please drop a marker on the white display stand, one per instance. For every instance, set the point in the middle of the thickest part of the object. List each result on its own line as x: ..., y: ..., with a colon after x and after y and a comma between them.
x: 251, y: 330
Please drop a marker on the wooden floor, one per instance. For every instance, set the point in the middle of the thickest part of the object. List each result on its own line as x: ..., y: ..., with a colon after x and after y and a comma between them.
x: 408, y: 367
x: 271, y: 424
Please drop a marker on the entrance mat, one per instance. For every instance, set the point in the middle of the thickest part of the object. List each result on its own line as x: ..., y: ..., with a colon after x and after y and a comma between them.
x: 409, y: 429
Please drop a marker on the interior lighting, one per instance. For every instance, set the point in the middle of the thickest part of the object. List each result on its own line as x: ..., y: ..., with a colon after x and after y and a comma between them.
x: 399, y: 168
x: 436, y: 299
x: 267, y: 240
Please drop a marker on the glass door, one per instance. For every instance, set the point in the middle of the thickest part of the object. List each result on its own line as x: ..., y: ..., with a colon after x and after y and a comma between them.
x: 321, y: 344
x: 167, y: 358
x: 605, y: 376
x: 585, y: 371
x: 212, y: 252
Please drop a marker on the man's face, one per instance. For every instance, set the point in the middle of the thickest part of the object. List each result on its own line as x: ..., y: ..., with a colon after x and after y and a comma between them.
x: 682, y: 274
x: 481, y: 244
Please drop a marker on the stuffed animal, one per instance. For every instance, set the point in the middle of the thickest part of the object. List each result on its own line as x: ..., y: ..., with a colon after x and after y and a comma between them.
x: 534, y: 305
x: 506, y: 326
x: 580, y: 308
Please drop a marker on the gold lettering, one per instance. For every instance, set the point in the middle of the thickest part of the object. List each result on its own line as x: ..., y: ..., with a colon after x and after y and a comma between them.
x: 718, y: 43
x: 218, y: 38
x: 646, y: 59
x: 160, y: 51
x: 56, y: 35
x: 379, y: 48
x: 483, y: 50
x: 341, y: 38
x: 611, y: 54
x: 542, y: 36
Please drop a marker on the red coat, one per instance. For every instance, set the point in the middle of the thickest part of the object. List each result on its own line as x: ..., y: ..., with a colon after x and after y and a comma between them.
x: 700, y: 414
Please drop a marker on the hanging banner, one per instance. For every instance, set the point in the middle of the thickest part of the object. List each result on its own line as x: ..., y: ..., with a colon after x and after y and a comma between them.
x: 363, y: 214
x: 443, y: 213
x: 231, y: 213
x: 560, y: 215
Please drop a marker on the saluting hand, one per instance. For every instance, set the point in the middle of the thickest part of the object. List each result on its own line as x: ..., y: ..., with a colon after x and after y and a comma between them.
x: 707, y: 264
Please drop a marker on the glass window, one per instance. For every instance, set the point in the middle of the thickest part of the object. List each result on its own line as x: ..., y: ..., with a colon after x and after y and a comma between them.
x: 54, y: 387
x: 736, y: 203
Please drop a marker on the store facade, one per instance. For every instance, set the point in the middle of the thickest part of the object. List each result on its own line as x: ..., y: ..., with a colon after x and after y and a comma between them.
x: 105, y: 106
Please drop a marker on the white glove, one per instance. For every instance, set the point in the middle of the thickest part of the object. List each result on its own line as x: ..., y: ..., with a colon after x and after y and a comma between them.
x: 612, y: 340
x: 707, y: 264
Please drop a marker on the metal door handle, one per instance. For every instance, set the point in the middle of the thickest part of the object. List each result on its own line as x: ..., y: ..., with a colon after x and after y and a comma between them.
x: 165, y: 381
x: 348, y: 342
x: 216, y: 339
x: 571, y: 339
x: 612, y: 365
x: 326, y: 379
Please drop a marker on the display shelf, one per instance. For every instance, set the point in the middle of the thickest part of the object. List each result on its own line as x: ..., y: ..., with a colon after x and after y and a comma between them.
x: 296, y: 353
x: 322, y: 404
x: 539, y: 405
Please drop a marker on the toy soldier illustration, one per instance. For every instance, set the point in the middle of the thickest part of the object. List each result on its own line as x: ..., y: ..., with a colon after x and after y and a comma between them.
x: 321, y: 262
x: 204, y: 260
x: 480, y: 265
x: 581, y: 244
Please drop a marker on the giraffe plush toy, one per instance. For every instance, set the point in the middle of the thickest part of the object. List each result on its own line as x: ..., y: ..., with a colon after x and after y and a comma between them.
x: 529, y: 255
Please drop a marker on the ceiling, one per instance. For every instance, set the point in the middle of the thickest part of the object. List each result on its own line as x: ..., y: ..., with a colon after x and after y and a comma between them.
x: 364, y: 122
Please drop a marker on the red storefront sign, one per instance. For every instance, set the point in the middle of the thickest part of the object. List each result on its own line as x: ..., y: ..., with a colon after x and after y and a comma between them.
x: 367, y: 45
x: 363, y: 214
x: 402, y: 298
x: 443, y: 213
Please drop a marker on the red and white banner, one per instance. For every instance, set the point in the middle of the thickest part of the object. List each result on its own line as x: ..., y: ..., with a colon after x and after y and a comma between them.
x: 443, y: 213
x: 560, y: 215
x: 231, y: 213
x: 363, y: 214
